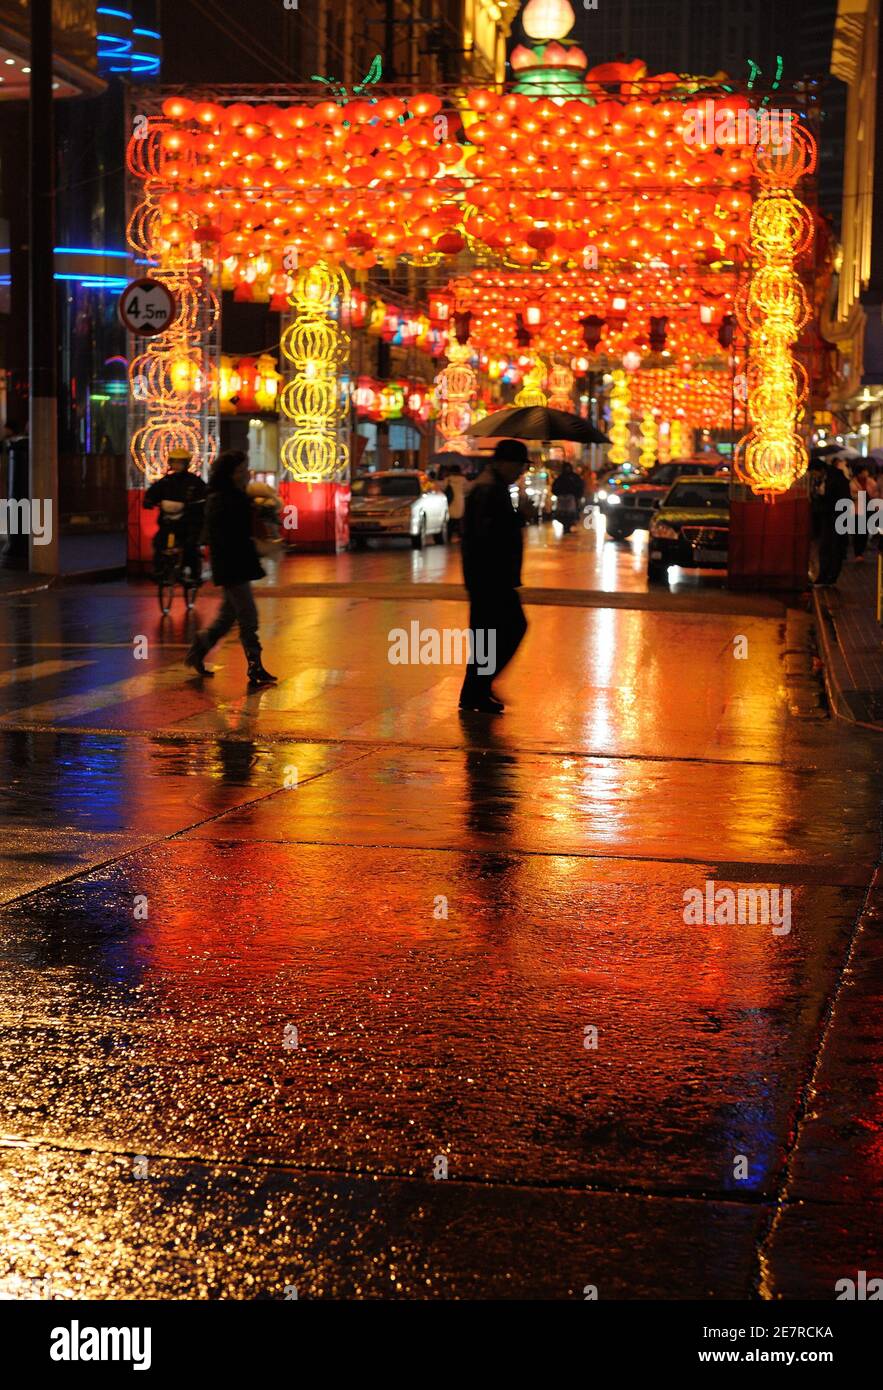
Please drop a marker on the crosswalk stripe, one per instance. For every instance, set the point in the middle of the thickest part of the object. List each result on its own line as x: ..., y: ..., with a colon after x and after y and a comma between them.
x: 18, y: 674
x: 71, y: 706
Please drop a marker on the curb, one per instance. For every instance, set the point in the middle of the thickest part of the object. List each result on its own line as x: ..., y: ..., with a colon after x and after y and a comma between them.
x: 845, y: 704
x: 37, y: 585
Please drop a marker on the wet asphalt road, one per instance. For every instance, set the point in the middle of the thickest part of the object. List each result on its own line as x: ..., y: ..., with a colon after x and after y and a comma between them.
x: 272, y: 964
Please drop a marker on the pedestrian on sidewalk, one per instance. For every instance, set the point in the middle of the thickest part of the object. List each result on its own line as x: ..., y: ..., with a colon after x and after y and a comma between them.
x: 861, y: 482
x: 235, y: 563
x: 832, y: 544
x: 568, y: 488
x: 492, y: 548
x: 456, y: 491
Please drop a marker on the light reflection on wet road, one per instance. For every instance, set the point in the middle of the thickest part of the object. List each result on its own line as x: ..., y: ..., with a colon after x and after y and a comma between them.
x: 441, y: 908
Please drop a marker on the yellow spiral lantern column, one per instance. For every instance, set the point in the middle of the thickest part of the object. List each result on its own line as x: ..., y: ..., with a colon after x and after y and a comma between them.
x: 619, y: 416
x: 649, y: 435
x: 314, y: 345
x: 679, y: 436
x: 663, y: 442
x: 772, y: 312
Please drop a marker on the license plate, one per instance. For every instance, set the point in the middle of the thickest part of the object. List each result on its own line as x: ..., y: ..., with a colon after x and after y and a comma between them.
x: 703, y: 556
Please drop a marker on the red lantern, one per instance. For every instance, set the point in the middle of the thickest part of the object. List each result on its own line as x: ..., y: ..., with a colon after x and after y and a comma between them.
x: 441, y: 305
x: 246, y: 368
x: 366, y: 398
x: 391, y: 321
x: 450, y: 243
x: 358, y: 309
x: 410, y: 331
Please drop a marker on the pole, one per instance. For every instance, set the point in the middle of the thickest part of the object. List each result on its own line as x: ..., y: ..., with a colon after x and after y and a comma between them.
x: 43, y: 407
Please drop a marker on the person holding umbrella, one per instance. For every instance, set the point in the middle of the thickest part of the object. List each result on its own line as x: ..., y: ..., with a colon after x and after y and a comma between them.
x: 492, y: 549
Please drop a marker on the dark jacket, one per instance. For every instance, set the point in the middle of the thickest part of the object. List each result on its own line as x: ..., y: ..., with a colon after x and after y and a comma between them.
x: 228, y: 520
x: 836, y: 489
x: 185, y: 487
x: 492, y: 541
x: 568, y: 484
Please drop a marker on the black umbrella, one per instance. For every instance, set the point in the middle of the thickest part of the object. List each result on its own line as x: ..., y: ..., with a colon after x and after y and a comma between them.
x: 828, y: 451
x: 537, y: 422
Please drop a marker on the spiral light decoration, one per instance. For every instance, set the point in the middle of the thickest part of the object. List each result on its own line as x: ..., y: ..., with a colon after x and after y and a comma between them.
x: 454, y: 392
x: 315, y: 345
x: 772, y: 312
x: 649, y: 435
x: 619, y: 416
x: 172, y: 382
x: 680, y: 437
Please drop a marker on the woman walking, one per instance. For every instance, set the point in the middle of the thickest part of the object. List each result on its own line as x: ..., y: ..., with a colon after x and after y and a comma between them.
x: 235, y: 563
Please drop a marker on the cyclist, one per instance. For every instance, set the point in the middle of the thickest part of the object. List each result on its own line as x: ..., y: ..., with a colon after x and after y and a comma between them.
x: 180, y: 496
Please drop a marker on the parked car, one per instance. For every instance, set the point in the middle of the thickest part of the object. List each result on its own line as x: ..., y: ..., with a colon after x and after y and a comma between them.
x: 401, y: 502
x: 630, y: 506
x: 535, y: 495
x: 613, y: 492
x: 690, y: 528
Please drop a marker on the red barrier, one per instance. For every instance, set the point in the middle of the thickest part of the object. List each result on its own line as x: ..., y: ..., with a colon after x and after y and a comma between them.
x: 769, y: 543
x: 316, y: 517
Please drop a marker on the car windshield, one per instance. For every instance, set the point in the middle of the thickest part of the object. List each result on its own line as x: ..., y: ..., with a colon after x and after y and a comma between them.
x: 698, y: 494
x: 664, y: 474
x: 386, y: 487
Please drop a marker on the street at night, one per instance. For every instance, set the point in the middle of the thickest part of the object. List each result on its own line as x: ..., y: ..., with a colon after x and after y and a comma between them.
x: 440, y: 909
x: 441, y: 679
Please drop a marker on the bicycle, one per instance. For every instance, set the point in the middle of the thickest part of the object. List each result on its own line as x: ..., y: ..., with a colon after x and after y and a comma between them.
x: 170, y: 572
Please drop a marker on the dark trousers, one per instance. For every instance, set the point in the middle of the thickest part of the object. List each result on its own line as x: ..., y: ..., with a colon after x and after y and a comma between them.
x: 238, y: 607
x: 832, y: 553
x: 498, y: 611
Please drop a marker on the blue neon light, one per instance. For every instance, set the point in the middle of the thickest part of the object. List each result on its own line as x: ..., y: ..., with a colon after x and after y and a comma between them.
x: 120, y: 14
x: 88, y: 251
x: 93, y: 279
x: 147, y: 33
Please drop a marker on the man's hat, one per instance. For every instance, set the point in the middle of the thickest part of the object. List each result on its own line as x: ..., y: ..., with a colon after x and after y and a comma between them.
x: 511, y: 451
x: 180, y: 454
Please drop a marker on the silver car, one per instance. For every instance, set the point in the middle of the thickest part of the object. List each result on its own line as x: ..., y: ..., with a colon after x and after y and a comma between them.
x: 401, y: 502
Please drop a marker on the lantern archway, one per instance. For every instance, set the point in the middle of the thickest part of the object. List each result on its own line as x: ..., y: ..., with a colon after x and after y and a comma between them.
x: 585, y: 223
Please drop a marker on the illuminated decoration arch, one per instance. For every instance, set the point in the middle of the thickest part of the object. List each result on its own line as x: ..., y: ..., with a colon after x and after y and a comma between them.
x: 315, y: 345
x: 256, y: 193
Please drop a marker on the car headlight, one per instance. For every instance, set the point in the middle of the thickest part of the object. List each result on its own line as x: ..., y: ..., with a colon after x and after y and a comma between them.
x: 613, y: 500
x: 663, y: 531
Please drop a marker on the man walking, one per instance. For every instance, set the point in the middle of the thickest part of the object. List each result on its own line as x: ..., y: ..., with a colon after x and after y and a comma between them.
x: 832, y: 543
x: 492, y: 548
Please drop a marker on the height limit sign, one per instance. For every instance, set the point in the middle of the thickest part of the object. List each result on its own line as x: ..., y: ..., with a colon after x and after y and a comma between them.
x: 146, y: 307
